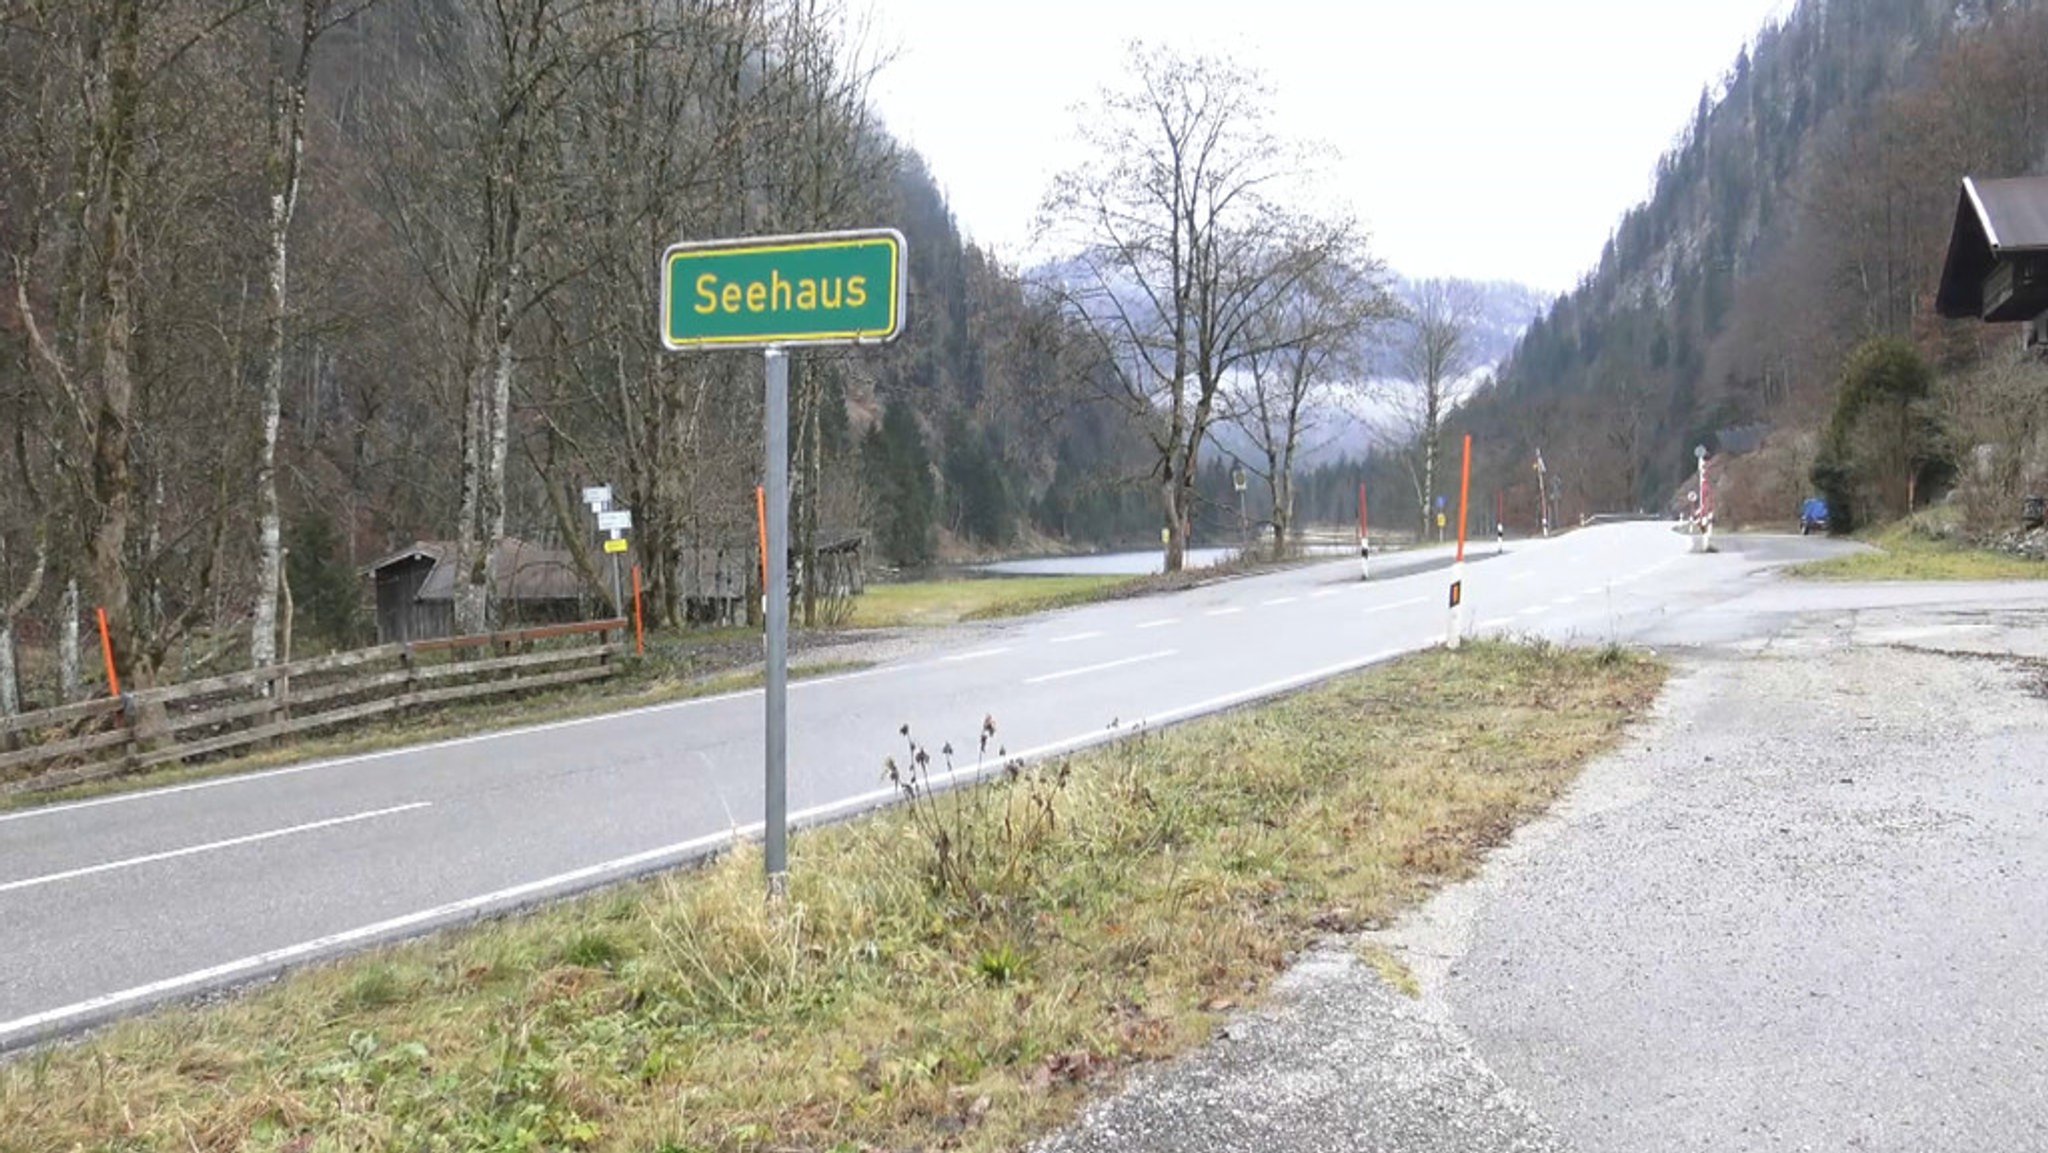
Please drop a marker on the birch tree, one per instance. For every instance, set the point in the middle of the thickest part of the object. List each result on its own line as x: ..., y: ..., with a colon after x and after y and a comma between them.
x: 1435, y: 355
x: 292, y: 31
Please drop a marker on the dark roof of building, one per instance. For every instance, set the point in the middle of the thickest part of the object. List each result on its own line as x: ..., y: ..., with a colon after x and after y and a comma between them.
x: 520, y: 571
x: 1995, y: 219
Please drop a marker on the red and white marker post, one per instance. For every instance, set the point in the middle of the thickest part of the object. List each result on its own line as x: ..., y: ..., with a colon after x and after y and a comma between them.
x: 1458, y: 567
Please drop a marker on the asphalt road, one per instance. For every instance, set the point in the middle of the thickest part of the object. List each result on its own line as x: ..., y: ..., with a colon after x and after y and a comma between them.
x: 109, y: 905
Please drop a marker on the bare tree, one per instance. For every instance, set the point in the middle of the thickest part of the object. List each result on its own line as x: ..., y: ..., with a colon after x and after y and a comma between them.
x: 1311, y: 343
x: 1178, y: 252
x: 292, y: 31
x: 1435, y: 356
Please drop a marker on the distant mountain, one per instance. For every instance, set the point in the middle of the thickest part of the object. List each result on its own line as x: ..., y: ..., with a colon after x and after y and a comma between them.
x: 1502, y: 312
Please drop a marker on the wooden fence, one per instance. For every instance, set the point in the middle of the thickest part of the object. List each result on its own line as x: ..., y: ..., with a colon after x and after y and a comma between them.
x: 72, y: 744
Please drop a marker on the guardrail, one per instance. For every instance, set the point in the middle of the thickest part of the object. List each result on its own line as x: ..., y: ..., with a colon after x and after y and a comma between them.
x: 93, y: 740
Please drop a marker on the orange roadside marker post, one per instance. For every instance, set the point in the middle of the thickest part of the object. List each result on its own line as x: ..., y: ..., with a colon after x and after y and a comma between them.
x: 761, y: 522
x: 1458, y: 567
x: 107, y: 652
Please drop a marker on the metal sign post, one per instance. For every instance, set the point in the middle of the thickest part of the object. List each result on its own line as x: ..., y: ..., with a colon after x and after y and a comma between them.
x: 616, y: 522
x: 775, y: 473
x: 774, y: 293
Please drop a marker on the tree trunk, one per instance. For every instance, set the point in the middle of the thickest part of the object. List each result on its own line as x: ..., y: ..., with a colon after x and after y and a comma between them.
x: 1176, y: 532
x: 1283, y: 512
x: 113, y: 481
x: 813, y: 479
x: 1429, y: 439
x: 10, y: 688
x: 470, y: 583
x: 287, y: 143
x: 67, y: 644
x: 285, y: 595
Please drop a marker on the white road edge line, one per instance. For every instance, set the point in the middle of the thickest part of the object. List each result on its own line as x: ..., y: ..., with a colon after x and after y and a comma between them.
x: 209, y: 847
x: 1084, y: 670
x: 1160, y: 624
x: 1067, y: 640
x: 978, y: 654
x: 1229, y: 612
x: 276, y: 959
x: 1319, y: 594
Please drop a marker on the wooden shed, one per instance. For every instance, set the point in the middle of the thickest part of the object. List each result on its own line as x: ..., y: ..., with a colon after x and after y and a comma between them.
x: 715, y: 581
x: 530, y: 584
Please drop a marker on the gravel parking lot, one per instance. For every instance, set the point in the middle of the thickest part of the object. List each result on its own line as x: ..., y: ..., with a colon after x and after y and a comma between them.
x: 1805, y: 908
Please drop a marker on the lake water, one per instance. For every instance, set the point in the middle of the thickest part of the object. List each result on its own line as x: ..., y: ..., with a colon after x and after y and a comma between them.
x: 1105, y: 564
x: 1120, y: 563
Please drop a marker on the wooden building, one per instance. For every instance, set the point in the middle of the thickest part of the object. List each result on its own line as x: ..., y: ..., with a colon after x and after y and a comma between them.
x: 530, y: 585
x: 716, y: 582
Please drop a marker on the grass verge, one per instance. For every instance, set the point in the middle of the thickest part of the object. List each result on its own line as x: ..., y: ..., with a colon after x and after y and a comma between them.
x: 1904, y: 554
x: 956, y: 972
x: 914, y: 603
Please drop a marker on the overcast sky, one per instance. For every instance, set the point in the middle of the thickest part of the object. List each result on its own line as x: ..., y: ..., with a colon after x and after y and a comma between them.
x: 1493, y: 139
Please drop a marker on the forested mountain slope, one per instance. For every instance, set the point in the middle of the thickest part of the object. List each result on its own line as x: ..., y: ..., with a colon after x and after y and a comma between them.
x: 1804, y: 209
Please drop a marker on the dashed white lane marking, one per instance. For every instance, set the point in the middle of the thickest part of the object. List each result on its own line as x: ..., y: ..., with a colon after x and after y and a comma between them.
x: 1595, y: 591
x: 1410, y: 602
x: 1319, y: 594
x: 1160, y: 624
x: 1229, y: 612
x: 1067, y: 640
x: 1104, y: 667
x: 1278, y: 601
x: 973, y: 656
x: 209, y: 847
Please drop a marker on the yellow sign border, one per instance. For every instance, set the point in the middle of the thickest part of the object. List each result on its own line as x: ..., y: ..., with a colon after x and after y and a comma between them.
x: 773, y: 244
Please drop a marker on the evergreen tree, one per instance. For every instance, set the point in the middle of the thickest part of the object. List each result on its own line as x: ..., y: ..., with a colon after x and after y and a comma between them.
x: 899, y: 471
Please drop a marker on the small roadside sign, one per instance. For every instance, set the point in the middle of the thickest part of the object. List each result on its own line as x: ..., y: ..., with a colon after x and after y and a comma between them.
x: 616, y: 519
x: 616, y: 544
x: 597, y: 496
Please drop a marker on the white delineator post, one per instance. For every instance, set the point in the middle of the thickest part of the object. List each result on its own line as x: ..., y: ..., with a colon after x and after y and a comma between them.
x: 1364, y: 539
x: 1457, y: 630
x: 1703, y: 539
